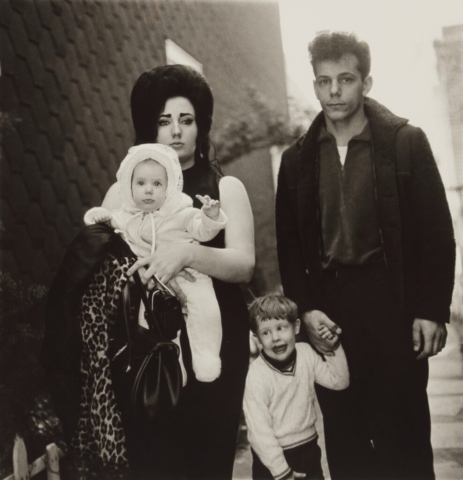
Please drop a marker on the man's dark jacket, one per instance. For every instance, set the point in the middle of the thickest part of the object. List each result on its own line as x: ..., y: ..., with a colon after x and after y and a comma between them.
x: 415, y: 223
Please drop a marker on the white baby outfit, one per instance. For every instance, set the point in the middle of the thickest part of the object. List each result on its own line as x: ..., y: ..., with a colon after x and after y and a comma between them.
x: 175, y: 222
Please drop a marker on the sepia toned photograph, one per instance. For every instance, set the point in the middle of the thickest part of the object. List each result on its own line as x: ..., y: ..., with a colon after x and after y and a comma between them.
x: 231, y: 239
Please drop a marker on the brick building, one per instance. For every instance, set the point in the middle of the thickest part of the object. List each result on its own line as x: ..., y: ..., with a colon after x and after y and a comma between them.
x: 67, y: 69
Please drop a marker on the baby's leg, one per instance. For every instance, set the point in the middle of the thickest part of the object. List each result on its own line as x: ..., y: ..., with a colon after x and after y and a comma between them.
x: 204, y: 326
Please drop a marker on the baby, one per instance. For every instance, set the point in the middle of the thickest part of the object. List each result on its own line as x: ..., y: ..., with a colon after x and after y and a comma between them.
x: 155, y: 211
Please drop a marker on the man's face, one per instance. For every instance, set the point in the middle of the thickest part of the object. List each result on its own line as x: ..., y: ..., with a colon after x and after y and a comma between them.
x: 278, y: 337
x: 149, y: 185
x: 340, y: 89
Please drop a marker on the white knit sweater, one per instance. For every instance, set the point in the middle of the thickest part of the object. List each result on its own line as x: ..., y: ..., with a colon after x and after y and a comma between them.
x: 279, y: 407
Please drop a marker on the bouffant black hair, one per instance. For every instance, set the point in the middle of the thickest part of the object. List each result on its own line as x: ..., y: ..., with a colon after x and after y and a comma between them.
x: 333, y: 46
x: 151, y: 92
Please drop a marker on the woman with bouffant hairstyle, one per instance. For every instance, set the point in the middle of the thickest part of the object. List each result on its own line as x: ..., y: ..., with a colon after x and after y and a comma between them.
x: 173, y: 105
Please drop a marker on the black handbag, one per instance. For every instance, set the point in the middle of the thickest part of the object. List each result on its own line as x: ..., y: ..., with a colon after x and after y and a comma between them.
x: 146, y: 373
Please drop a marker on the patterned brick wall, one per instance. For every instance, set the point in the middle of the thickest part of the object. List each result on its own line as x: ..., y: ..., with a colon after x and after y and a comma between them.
x: 67, y: 69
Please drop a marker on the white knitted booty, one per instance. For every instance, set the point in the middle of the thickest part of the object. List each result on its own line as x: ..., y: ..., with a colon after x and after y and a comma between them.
x: 207, y: 366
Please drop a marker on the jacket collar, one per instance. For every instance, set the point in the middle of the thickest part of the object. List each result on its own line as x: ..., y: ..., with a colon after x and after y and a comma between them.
x: 383, y: 126
x: 363, y: 136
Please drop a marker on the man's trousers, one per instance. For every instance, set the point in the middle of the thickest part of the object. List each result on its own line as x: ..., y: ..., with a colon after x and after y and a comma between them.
x: 378, y: 428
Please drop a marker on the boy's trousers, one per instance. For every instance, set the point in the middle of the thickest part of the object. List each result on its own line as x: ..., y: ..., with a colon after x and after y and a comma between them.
x: 305, y: 458
x: 378, y: 428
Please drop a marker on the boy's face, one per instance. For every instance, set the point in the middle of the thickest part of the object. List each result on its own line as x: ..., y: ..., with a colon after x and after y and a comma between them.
x: 339, y: 87
x: 149, y: 185
x: 278, y: 337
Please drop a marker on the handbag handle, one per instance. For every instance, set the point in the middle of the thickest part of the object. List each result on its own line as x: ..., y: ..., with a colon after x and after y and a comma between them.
x: 151, y: 319
x: 126, y: 308
x: 152, y: 322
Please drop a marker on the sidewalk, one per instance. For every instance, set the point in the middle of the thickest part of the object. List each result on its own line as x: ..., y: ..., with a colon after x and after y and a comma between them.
x: 445, y: 391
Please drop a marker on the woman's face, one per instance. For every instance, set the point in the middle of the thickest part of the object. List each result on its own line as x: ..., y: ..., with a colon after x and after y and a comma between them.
x: 177, y: 128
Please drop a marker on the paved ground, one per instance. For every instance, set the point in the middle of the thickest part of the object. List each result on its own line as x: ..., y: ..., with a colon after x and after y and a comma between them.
x: 445, y: 391
x: 446, y: 402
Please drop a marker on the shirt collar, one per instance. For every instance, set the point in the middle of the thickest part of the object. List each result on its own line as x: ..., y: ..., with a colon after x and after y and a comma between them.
x: 287, y: 367
x: 363, y: 136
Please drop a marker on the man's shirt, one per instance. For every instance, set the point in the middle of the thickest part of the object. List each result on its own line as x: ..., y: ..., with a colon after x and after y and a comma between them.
x: 349, y: 221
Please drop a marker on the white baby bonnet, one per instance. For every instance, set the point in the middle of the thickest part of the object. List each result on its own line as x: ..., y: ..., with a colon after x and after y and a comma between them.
x: 165, y: 156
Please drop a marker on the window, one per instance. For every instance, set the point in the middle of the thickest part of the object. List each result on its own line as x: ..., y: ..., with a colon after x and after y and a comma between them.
x: 176, y: 55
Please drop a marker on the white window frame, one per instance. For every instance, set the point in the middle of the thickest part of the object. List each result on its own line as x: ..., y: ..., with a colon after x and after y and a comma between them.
x: 176, y: 55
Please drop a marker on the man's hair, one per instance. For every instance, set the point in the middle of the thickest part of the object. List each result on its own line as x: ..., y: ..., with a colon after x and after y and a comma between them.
x: 152, y: 90
x: 331, y: 47
x: 272, y: 306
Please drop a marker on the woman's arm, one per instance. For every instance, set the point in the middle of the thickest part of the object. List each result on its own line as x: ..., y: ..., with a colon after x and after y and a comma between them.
x: 234, y: 263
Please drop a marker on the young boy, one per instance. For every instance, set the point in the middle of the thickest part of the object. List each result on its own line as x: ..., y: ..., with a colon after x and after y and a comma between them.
x: 155, y: 211
x: 279, y: 395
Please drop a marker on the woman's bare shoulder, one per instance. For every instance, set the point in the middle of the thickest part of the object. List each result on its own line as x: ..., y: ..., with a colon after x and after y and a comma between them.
x: 229, y: 184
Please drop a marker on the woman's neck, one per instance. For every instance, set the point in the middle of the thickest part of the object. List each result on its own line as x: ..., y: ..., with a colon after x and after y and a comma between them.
x: 187, y: 164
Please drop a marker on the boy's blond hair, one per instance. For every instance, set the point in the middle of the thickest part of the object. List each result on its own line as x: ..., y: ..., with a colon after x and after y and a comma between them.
x: 271, y: 306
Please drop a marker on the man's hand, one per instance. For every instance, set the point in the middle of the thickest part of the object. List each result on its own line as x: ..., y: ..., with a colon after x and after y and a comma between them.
x: 296, y: 475
x: 326, y: 333
x: 428, y: 337
x: 312, y: 321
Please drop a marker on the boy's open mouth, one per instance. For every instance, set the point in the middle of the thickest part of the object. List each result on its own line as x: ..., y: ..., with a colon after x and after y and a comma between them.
x: 279, y: 349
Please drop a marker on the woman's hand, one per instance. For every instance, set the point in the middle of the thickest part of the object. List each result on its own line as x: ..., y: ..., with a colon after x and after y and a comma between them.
x: 176, y: 289
x: 166, y: 262
x: 172, y: 285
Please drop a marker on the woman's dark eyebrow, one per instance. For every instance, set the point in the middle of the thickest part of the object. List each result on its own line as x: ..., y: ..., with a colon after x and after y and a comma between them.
x: 181, y: 115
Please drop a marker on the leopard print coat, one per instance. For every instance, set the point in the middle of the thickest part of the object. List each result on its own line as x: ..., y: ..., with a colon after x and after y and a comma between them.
x: 99, y: 437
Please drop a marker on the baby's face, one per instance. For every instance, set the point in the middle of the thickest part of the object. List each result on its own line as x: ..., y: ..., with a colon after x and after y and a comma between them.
x: 149, y: 185
x: 277, y: 337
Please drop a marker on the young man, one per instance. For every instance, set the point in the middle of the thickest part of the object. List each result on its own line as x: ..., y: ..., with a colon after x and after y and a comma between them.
x: 365, y: 242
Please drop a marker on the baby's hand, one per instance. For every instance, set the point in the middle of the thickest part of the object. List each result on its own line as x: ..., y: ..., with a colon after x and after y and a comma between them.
x: 102, y: 217
x: 211, y: 207
x: 326, y: 333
